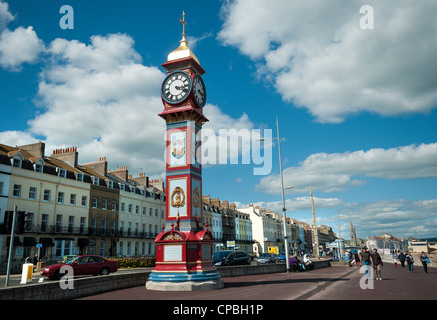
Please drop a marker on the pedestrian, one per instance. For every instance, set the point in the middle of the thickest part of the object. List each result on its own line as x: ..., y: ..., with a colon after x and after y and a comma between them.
x: 35, y: 259
x: 377, y: 264
x: 425, y: 260
x: 410, y: 261
x: 357, y: 259
x: 366, y: 260
x: 401, y: 258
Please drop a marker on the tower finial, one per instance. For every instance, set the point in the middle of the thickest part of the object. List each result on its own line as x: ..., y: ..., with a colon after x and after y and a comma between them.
x: 183, y: 25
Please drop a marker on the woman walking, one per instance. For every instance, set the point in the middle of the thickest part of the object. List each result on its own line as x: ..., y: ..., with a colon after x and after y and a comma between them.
x: 425, y: 260
x: 410, y: 261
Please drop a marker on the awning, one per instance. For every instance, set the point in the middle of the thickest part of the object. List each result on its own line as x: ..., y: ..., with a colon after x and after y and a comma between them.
x: 29, y: 242
x: 17, y: 242
x: 46, y: 242
x: 83, y: 241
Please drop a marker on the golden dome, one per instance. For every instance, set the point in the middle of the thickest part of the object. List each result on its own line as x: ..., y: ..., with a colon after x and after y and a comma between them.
x: 182, y: 51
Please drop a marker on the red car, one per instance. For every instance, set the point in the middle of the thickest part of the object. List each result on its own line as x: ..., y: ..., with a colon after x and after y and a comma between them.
x: 82, y: 265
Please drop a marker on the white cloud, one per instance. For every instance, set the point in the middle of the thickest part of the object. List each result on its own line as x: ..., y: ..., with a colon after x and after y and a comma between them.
x: 5, y: 15
x: 320, y: 59
x: 402, y: 218
x: 18, y: 47
x: 338, y: 171
x: 101, y: 99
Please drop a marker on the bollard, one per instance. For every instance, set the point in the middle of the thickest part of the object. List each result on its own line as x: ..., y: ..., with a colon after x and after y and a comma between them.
x: 26, y: 275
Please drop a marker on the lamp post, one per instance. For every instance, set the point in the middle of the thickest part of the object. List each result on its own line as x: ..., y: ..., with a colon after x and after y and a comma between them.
x: 287, y: 262
x: 316, y: 235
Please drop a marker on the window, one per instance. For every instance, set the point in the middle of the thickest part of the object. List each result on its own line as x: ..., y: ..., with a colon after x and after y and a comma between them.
x: 96, y: 181
x: 44, y: 222
x: 29, y: 222
x: 110, y: 184
x: 103, y: 226
x: 102, y: 248
x: 38, y: 167
x: 112, y: 227
x: 121, y: 248
x: 114, y: 205
x: 16, y: 162
x: 156, y: 212
x: 32, y: 193
x: 47, y: 195
x: 144, y: 211
x: 82, y: 225
x: 60, y: 197
x: 58, y: 223
x: 70, y: 224
x: 17, y: 191
x: 122, y: 207
x: 137, y: 209
x: 84, y: 199
x: 62, y: 173
x: 130, y: 208
x: 93, y: 226
x: 73, y: 199
x: 79, y: 176
x: 1, y: 188
x: 104, y: 204
x: 94, y: 202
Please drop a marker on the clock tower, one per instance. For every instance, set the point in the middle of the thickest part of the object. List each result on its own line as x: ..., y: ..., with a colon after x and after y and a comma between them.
x: 184, y: 247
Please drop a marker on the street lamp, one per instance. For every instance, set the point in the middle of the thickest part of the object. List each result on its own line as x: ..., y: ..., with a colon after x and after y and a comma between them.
x: 283, y: 199
x: 316, y: 235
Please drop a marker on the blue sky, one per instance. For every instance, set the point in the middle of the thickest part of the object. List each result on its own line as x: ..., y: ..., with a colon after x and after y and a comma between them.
x: 356, y: 108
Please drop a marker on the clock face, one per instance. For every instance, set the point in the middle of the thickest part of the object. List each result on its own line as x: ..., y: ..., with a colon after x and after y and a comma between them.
x: 176, y: 87
x: 199, y: 90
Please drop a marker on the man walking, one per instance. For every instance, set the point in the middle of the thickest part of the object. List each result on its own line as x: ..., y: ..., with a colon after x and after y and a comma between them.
x: 377, y: 264
x: 366, y: 260
x: 401, y: 258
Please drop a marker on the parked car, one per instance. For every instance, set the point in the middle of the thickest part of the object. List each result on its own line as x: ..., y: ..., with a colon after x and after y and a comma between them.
x: 69, y: 257
x: 266, y: 258
x: 82, y: 265
x: 230, y: 258
x: 280, y: 257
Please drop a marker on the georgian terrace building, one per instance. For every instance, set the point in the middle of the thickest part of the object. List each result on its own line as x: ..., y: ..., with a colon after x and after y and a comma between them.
x: 74, y: 209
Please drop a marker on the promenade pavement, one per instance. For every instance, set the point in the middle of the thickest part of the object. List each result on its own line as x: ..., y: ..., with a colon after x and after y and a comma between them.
x: 332, y: 283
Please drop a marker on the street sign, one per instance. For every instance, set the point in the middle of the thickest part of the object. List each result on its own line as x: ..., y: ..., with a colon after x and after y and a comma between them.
x: 39, y: 245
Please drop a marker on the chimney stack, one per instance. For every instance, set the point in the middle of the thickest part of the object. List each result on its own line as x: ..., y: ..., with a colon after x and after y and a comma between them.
x: 121, y: 172
x: 100, y: 167
x: 37, y: 149
x: 68, y: 155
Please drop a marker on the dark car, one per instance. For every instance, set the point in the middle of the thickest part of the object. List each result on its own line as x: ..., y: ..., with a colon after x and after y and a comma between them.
x: 82, y: 265
x: 266, y: 258
x: 230, y: 258
x: 280, y: 257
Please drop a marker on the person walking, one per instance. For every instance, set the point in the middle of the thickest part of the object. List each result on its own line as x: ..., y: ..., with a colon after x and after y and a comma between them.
x: 366, y: 261
x: 357, y: 259
x: 377, y: 264
x: 410, y: 261
x: 425, y: 260
x: 401, y: 258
